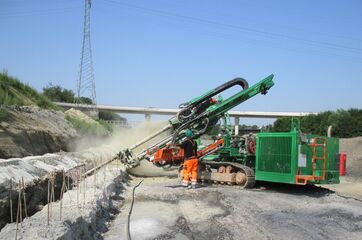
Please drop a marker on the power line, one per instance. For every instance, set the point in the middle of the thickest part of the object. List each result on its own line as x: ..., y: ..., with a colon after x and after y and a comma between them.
x: 255, y: 20
x: 239, y: 28
x: 38, y: 12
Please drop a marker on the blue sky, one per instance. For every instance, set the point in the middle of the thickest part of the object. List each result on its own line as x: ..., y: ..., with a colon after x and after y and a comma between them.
x: 160, y: 53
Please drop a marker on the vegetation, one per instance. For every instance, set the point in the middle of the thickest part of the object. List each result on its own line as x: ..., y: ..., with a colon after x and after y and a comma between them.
x: 3, y: 114
x: 89, y: 128
x: 248, y: 127
x: 345, y: 123
x: 14, y: 92
x: 111, y: 116
x: 106, y: 125
x: 59, y: 94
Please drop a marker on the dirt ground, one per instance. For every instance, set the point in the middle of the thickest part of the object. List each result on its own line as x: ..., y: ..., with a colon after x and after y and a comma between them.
x: 347, y: 188
x: 164, y: 210
x: 353, y: 148
x: 351, y: 183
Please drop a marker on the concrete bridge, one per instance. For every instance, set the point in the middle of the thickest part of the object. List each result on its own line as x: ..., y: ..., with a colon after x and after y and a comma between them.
x: 148, y: 111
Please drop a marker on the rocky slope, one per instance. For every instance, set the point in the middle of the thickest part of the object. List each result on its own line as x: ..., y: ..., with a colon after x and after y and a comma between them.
x: 26, y: 131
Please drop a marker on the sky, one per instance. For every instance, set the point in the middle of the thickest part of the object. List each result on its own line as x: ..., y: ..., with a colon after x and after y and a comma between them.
x: 160, y: 53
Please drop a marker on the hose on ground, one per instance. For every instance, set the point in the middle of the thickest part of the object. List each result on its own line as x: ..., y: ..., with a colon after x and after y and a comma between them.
x: 130, y: 211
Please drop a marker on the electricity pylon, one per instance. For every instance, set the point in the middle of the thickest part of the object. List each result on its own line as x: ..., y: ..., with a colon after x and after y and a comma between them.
x: 85, y: 84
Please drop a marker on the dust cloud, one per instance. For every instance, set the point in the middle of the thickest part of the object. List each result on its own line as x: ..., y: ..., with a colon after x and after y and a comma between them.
x: 121, y: 138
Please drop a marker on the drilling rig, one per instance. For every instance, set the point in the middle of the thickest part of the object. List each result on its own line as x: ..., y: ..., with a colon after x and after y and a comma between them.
x: 289, y: 157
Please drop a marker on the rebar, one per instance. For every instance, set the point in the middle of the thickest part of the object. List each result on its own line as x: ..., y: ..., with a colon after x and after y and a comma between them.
x: 18, y: 213
x: 25, y: 208
x: 11, y: 200
x: 48, y: 200
x: 68, y: 174
x: 52, y: 197
x: 84, y: 186
x: 77, y: 184
x: 61, y: 195
x: 19, y: 203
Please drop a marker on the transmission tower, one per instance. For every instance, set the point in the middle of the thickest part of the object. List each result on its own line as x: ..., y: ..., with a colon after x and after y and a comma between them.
x: 85, y: 83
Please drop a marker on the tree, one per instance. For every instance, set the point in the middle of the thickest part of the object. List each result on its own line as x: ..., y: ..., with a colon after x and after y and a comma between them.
x: 58, y: 94
x: 345, y: 123
x: 110, y: 116
x: 282, y: 124
x: 84, y: 100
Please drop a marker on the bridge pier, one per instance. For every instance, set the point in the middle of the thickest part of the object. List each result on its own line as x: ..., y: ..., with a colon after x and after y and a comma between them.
x: 236, y: 123
x: 148, y: 117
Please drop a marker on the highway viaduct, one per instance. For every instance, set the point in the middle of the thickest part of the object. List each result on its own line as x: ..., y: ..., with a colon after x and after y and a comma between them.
x: 148, y: 111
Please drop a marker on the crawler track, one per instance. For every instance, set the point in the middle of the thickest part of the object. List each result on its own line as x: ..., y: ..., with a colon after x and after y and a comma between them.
x: 234, y: 174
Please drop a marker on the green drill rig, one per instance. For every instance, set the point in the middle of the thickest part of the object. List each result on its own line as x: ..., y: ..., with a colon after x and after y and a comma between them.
x: 297, y: 158
x: 283, y: 157
x: 290, y: 157
x: 200, y: 115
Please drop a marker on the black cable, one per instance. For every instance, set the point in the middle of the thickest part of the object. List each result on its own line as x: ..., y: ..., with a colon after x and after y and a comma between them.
x: 130, y: 211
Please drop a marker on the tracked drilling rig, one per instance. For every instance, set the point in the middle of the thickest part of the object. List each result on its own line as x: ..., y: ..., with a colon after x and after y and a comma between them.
x: 199, y: 114
x: 290, y: 157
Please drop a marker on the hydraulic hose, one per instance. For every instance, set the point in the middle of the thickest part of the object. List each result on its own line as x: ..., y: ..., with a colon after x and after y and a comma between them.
x: 130, y: 211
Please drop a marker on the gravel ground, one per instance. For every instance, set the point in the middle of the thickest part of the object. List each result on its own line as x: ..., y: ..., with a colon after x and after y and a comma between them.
x: 163, y: 210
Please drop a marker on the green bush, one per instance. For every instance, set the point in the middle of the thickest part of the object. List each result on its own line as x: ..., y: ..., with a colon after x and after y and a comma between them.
x: 86, y: 128
x: 58, y: 94
x: 345, y: 123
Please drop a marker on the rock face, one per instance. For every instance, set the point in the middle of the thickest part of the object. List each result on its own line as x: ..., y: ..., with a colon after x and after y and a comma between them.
x: 27, y: 131
x: 353, y: 148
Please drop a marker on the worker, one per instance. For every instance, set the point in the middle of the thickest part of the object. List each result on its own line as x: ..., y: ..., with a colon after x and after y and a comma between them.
x: 190, y: 161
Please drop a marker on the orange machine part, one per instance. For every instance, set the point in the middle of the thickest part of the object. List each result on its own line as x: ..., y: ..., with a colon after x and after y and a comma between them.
x: 303, y: 179
x: 170, y: 154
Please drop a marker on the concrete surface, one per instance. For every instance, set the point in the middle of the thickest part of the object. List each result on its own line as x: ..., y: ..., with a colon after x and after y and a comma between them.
x: 148, y: 169
x: 347, y: 188
x: 163, y: 210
